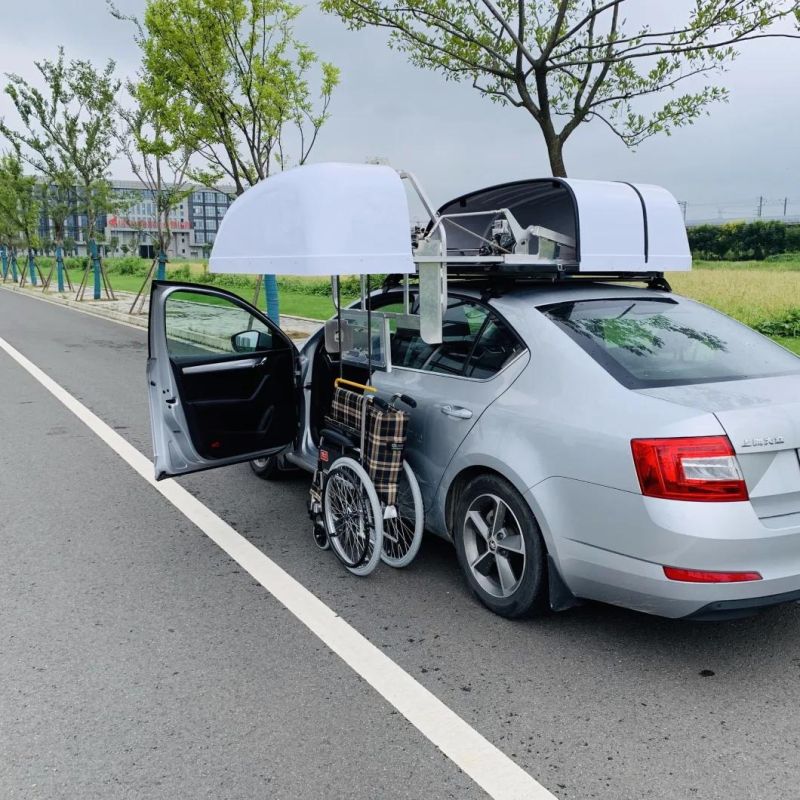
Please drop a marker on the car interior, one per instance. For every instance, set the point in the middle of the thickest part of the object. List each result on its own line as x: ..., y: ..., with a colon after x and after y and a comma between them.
x: 475, y: 344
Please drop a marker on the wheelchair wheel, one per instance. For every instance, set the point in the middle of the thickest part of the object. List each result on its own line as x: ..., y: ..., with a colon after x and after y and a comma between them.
x: 402, y: 535
x: 352, y: 514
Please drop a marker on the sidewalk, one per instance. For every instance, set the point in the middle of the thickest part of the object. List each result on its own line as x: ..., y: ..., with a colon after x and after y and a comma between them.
x: 118, y: 310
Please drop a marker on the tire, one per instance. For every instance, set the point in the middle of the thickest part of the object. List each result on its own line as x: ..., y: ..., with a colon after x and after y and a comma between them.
x: 505, y: 567
x: 266, y: 468
x: 321, y: 538
x: 402, y: 536
x: 357, y: 540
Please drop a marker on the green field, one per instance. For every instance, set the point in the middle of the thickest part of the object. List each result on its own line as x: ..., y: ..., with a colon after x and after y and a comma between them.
x: 753, y: 292
x: 750, y: 296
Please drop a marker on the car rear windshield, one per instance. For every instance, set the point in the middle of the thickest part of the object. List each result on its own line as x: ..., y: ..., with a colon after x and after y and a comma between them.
x: 647, y: 342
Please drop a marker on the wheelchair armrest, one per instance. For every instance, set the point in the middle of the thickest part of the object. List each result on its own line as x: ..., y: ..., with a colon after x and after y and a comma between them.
x: 336, y: 437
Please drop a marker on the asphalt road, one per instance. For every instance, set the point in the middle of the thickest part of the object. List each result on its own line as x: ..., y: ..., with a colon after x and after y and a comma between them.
x: 137, y: 660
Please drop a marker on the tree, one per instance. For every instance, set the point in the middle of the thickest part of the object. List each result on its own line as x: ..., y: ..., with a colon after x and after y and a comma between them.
x: 138, y: 227
x: 69, y: 130
x: 239, y: 86
x: 9, y: 227
x: 574, y: 60
x: 38, y: 149
x: 151, y: 138
x: 20, y: 204
x: 156, y: 158
x: 74, y: 122
x: 19, y: 199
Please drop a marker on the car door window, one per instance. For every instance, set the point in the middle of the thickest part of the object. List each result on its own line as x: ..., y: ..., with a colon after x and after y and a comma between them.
x: 475, y: 344
x: 461, y: 325
x: 200, y: 326
x: 496, y: 346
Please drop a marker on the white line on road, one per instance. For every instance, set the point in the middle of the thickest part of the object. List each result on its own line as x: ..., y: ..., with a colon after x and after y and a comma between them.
x: 489, y: 767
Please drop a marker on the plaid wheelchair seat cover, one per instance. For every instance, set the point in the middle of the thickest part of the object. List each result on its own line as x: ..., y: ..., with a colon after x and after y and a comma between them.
x: 345, y: 411
x: 385, y: 442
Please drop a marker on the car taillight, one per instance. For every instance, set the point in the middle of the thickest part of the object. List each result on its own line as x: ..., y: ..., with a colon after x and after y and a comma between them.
x: 701, y: 468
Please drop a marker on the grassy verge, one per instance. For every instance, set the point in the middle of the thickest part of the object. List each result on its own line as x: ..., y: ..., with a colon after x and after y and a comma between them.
x: 294, y: 303
x: 789, y: 344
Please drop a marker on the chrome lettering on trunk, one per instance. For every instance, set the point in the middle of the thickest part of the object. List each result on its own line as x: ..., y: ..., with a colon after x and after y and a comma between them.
x: 767, y: 441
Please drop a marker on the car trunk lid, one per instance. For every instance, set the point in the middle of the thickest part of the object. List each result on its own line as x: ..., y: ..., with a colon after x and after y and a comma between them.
x: 762, y: 420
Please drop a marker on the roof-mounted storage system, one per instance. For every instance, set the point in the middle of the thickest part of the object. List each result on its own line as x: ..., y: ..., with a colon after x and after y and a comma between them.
x: 565, y: 226
x: 318, y: 219
x: 335, y: 219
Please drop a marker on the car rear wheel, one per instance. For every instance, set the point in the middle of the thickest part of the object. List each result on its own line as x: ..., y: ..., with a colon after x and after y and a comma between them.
x: 500, y: 548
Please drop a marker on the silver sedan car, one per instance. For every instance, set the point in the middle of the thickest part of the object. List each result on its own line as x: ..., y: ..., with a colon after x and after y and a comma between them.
x: 574, y: 441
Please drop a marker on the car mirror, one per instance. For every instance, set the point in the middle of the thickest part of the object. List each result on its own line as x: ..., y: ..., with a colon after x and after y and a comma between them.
x: 250, y: 341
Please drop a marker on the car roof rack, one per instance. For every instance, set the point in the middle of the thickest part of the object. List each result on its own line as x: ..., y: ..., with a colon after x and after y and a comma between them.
x: 500, y: 281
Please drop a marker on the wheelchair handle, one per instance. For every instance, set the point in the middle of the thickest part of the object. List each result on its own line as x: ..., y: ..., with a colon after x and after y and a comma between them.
x: 363, y: 386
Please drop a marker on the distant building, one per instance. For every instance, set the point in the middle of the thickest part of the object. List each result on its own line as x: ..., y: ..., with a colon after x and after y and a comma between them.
x: 193, y: 223
x: 205, y: 210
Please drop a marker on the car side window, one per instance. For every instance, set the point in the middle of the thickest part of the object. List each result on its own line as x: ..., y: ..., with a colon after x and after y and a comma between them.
x: 496, y: 346
x: 201, y: 325
x: 460, y: 327
x: 474, y: 343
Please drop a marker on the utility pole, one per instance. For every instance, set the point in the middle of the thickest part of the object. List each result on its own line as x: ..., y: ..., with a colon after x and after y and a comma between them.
x: 785, y: 204
x: 684, y: 204
x: 760, y: 205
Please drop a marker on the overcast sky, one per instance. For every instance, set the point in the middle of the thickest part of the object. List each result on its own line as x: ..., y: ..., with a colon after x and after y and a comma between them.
x: 454, y: 139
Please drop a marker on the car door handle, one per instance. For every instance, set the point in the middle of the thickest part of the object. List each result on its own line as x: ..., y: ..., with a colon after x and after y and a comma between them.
x: 456, y: 411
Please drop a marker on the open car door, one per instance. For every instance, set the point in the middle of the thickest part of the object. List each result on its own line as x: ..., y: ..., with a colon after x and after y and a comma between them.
x: 222, y: 380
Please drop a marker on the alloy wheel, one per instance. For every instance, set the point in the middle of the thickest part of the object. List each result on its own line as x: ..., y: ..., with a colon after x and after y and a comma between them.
x: 494, y: 545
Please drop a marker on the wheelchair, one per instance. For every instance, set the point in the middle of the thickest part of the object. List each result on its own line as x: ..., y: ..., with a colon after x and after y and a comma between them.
x: 365, y: 501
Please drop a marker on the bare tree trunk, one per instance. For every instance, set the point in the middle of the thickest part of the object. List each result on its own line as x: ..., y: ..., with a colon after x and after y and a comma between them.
x: 555, y: 152
x: 91, y: 216
x: 555, y: 144
x: 58, y: 232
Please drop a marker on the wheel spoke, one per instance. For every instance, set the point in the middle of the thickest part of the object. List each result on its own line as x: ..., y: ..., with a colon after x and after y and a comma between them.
x: 513, y: 544
x: 499, y: 518
x: 479, y: 523
x: 483, y: 563
x: 506, y: 574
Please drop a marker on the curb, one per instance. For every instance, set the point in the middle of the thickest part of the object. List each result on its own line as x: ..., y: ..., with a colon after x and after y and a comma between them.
x: 294, y: 327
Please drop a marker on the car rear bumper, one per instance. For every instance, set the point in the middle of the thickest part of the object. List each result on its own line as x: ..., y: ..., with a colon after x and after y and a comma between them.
x: 613, y: 546
x: 735, y: 609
